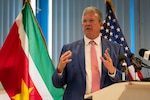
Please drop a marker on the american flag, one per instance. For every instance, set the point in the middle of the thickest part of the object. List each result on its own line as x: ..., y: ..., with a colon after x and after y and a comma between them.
x: 111, y: 30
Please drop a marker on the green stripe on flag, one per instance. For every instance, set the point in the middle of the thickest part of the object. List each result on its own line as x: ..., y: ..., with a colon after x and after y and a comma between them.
x: 39, y: 52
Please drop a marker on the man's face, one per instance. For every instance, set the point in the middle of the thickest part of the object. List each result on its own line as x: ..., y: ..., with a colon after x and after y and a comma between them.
x: 91, y: 25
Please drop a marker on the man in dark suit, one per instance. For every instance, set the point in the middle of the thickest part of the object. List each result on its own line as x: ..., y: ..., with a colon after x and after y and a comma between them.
x: 74, y: 69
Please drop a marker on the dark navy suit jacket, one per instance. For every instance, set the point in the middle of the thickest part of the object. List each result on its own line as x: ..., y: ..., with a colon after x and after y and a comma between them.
x: 74, y: 75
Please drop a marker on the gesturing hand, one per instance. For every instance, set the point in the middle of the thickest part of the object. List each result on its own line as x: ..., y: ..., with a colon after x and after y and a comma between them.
x: 64, y: 59
x: 108, y: 62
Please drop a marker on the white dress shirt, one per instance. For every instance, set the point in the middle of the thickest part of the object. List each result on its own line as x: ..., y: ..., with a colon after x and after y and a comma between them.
x: 88, y: 60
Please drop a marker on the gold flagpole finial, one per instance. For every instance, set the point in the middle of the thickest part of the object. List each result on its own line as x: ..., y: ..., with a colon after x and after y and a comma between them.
x: 24, y: 1
x: 27, y: 0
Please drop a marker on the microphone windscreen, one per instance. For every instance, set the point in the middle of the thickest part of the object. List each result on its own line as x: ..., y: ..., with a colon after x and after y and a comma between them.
x: 121, y: 57
x: 141, y: 52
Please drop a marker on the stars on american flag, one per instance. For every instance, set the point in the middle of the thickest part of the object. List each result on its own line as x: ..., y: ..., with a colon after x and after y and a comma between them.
x: 112, y: 27
x: 112, y: 31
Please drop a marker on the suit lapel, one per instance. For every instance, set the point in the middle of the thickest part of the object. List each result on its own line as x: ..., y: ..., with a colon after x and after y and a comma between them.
x: 104, y: 46
x: 81, y: 58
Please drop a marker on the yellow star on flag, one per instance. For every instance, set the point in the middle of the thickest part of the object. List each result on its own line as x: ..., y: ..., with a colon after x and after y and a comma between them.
x: 24, y: 95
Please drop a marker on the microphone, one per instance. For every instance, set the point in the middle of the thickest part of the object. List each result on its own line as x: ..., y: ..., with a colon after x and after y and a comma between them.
x: 123, y: 64
x: 145, y: 54
x: 137, y: 62
x: 122, y: 60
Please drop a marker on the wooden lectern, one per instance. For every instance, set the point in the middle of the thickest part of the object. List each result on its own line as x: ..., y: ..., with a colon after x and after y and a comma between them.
x: 133, y: 90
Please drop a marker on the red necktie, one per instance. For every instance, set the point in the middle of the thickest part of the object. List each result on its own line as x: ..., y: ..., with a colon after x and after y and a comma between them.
x: 95, y: 70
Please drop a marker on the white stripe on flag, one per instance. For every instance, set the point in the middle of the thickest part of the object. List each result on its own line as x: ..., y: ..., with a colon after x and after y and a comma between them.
x: 3, y: 94
x: 38, y: 81
x: 132, y: 72
x: 33, y: 72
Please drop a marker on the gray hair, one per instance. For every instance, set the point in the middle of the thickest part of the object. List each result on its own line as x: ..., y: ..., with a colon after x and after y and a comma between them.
x: 93, y: 9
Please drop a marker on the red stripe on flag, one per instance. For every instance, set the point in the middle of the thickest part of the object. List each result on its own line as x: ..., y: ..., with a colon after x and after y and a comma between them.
x: 130, y: 76
x: 14, y: 66
x: 140, y: 74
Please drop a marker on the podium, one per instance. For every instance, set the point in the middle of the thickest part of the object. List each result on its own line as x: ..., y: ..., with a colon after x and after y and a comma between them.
x: 134, y: 90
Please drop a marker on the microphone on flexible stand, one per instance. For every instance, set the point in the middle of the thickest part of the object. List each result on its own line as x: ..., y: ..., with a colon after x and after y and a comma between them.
x: 145, y: 54
x: 135, y: 61
x: 123, y: 64
x: 138, y: 62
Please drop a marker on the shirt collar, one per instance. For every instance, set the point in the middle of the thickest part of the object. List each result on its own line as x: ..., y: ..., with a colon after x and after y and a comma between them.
x: 96, y: 40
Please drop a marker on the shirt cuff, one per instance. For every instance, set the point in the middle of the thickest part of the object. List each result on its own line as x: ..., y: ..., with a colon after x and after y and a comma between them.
x: 112, y: 75
x: 59, y: 74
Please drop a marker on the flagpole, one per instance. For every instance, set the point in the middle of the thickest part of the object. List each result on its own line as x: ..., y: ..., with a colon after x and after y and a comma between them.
x: 112, y: 6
